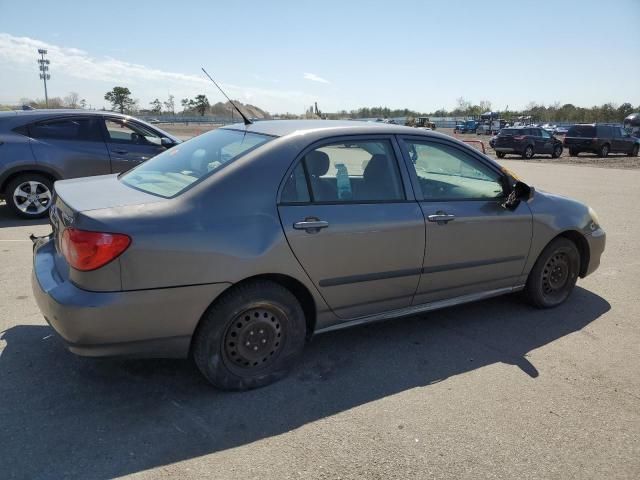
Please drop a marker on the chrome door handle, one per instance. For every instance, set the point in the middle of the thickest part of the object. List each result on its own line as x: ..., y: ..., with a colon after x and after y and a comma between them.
x: 309, y: 224
x: 441, y: 218
x: 120, y: 152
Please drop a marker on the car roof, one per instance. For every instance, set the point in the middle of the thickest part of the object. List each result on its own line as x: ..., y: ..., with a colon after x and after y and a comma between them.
x: 59, y: 111
x: 281, y: 128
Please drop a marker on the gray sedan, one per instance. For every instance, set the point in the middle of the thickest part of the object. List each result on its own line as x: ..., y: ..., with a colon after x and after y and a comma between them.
x: 237, y: 246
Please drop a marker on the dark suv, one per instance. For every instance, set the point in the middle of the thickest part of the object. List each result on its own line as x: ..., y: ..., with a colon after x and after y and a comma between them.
x: 601, y: 140
x: 39, y: 147
x: 527, y: 142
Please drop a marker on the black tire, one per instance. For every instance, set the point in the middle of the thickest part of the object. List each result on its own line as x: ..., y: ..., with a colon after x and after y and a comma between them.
x: 40, y: 186
x: 573, y: 153
x: 554, y: 274
x: 634, y: 151
x: 557, y: 151
x: 528, y: 152
x: 260, y: 315
x: 604, y: 150
x: 500, y: 154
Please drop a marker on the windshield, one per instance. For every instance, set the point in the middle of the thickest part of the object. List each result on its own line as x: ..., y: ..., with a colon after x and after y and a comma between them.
x: 173, y: 171
x: 582, y: 131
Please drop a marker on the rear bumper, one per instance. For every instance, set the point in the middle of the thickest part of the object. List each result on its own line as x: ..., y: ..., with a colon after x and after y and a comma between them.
x: 597, y: 241
x: 505, y: 149
x: 156, y: 322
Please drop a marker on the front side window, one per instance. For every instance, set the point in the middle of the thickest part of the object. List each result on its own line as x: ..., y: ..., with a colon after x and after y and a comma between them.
x: 545, y: 134
x: 122, y: 131
x: 80, y: 129
x: 446, y: 173
x: 359, y: 171
x: 174, y: 170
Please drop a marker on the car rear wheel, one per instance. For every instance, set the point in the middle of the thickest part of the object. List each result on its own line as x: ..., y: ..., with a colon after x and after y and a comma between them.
x: 604, y: 151
x: 528, y: 153
x: 557, y: 152
x: 500, y: 154
x: 30, y: 195
x: 250, y: 337
x: 554, y: 274
x: 634, y: 151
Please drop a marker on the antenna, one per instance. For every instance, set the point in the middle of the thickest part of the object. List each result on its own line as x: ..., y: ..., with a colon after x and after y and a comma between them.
x: 246, y: 120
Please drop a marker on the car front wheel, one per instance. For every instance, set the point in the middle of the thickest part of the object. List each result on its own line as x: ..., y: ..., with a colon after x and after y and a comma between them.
x: 634, y: 151
x: 557, y: 152
x: 250, y: 337
x: 528, y: 153
x: 500, y: 154
x: 30, y: 195
x: 554, y: 274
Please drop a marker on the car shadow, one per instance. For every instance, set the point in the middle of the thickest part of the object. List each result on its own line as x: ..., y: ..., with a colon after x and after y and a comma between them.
x: 66, y: 416
x: 9, y: 219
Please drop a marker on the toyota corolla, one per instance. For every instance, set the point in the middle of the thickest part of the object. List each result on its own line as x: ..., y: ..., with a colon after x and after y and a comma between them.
x: 237, y: 246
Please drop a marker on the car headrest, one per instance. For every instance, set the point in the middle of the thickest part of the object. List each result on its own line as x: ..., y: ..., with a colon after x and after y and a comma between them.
x: 317, y: 163
x: 377, y: 166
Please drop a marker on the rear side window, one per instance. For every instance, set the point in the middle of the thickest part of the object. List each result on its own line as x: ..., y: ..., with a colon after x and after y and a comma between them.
x: 80, y: 129
x: 604, y: 131
x: 351, y: 172
x: 588, y: 131
x: 510, y: 131
x: 176, y: 169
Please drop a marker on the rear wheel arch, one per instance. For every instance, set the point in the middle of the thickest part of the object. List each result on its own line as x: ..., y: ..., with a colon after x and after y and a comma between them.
x: 18, y: 173
x: 295, y: 287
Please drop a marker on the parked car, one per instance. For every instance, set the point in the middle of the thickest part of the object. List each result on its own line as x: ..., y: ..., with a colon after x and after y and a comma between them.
x: 601, y: 140
x: 526, y: 142
x: 561, y: 130
x: 39, y: 147
x: 237, y: 246
x: 468, y: 126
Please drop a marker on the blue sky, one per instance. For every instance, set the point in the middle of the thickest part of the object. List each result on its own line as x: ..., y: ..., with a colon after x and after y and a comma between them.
x: 283, y: 55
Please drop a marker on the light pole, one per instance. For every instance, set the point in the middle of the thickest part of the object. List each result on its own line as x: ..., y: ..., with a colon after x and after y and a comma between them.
x: 44, y: 68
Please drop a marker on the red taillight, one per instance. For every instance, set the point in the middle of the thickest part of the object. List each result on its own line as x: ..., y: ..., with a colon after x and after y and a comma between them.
x: 91, y: 250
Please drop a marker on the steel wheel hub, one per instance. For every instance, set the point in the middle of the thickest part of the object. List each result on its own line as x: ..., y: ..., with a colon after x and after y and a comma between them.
x: 32, y: 197
x: 254, y: 338
x: 555, y: 273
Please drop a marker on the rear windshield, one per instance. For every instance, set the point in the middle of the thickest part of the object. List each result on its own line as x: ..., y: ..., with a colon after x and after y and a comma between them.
x: 173, y: 171
x: 588, y: 131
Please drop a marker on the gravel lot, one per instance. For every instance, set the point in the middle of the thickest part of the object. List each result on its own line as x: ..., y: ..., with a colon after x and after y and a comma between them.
x: 489, y: 390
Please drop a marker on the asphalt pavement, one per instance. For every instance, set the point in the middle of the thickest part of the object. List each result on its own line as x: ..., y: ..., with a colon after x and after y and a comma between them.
x: 493, y: 389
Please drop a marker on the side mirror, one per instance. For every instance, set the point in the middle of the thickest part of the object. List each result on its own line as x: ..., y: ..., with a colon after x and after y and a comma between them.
x: 520, y: 191
x: 167, y: 142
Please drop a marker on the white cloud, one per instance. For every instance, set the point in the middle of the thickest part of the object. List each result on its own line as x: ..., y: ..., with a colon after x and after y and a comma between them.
x: 95, y: 72
x: 315, y: 78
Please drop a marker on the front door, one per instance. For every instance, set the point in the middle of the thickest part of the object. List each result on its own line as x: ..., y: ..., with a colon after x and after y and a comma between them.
x: 546, y: 142
x: 353, y: 227
x: 473, y: 244
x: 130, y: 143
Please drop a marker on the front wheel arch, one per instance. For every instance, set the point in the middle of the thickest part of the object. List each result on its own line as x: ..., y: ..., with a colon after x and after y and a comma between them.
x: 581, y: 244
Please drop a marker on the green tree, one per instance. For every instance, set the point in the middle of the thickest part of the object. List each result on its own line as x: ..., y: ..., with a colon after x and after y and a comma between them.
x: 201, y: 104
x: 624, y: 110
x: 170, y: 105
x: 156, y: 106
x: 120, y: 98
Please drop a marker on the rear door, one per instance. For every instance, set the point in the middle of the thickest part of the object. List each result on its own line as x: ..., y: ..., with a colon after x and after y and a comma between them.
x: 130, y: 143
x: 70, y: 145
x: 352, y: 222
x: 473, y: 244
